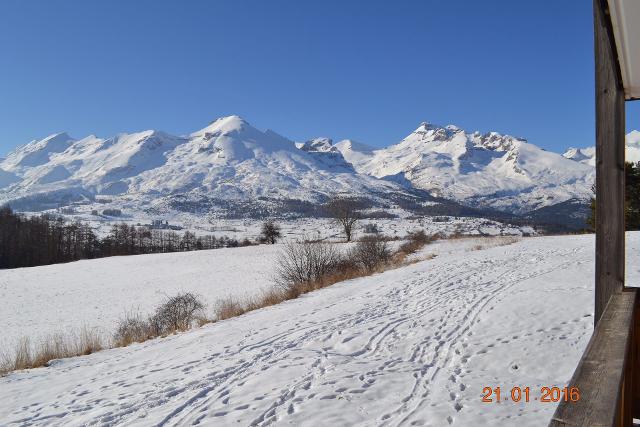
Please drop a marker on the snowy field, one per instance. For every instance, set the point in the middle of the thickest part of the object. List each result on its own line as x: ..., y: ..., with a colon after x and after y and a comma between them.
x: 412, y: 346
x: 39, y: 301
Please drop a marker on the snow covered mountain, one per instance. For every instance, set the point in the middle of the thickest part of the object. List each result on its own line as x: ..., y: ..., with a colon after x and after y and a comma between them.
x: 227, y: 161
x: 588, y: 155
x: 489, y: 170
x: 230, y: 165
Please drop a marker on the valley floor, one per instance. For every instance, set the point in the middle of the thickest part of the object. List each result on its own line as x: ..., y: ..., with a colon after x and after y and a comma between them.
x: 412, y: 346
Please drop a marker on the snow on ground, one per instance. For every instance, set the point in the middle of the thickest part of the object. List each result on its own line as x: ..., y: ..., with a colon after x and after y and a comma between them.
x: 39, y: 301
x: 412, y: 346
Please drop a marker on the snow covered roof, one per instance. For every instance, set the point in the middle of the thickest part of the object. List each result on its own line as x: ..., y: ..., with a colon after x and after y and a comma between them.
x: 625, y: 15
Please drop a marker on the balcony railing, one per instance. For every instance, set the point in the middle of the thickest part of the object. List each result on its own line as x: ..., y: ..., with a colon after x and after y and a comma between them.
x: 608, y: 373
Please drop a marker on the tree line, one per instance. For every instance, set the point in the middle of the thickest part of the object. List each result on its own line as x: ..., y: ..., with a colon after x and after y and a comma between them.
x: 47, y: 239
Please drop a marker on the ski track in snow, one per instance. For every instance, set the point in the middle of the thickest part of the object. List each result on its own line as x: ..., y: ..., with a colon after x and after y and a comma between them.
x: 393, y: 349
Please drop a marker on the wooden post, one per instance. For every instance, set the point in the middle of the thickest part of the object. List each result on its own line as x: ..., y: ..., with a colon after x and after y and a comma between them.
x: 610, y: 118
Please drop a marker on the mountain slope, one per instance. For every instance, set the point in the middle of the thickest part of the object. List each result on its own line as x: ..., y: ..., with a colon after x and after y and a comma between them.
x: 588, y: 155
x: 490, y: 170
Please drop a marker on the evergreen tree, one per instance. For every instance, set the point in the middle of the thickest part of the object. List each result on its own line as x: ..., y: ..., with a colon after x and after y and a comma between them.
x: 270, y: 232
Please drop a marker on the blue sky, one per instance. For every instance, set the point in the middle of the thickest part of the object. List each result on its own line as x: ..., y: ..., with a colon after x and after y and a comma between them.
x: 367, y: 70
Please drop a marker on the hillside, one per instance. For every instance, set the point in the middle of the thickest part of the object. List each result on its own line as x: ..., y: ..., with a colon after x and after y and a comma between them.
x: 411, y: 346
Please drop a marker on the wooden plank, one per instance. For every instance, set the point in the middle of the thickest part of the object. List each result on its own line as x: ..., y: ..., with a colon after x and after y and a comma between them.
x: 610, y: 117
x: 601, y: 371
x: 635, y: 362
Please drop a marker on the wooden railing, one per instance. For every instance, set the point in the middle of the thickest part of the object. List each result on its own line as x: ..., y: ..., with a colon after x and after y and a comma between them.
x: 607, y: 375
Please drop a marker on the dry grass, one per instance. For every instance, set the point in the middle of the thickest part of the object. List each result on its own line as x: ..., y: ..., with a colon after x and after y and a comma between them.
x: 493, y: 242
x: 230, y: 307
x: 56, y: 346
x: 415, y: 241
x: 131, y: 329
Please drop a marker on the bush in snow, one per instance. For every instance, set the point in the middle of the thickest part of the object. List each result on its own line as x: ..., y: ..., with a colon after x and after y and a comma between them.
x: 416, y: 240
x: 177, y: 313
x: 303, y: 264
x: 371, y: 252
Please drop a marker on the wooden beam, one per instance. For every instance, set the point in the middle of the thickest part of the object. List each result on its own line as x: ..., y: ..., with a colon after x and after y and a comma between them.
x: 610, y: 118
x: 601, y: 373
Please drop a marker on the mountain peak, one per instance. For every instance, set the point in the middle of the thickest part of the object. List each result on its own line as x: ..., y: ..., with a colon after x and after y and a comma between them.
x: 56, y: 143
x: 224, y: 125
x: 64, y: 136
x: 424, y: 126
x: 38, y: 152
x: 322, y: 144
x: 587, y: 155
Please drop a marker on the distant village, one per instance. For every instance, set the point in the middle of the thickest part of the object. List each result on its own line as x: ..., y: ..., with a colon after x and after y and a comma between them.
x: 158, y: 224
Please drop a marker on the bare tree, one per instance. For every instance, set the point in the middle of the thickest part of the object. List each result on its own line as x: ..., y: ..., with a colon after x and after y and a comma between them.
x: 346, y: 213
x: 270, y: 232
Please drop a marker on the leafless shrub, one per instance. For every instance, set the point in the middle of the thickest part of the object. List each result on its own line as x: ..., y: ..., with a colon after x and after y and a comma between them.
x: 177, y: 313
x: 416, y: 240
x: 156, y: 326
x: 371, y: 252
x: 301, y: 264
x: 420, y: 236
